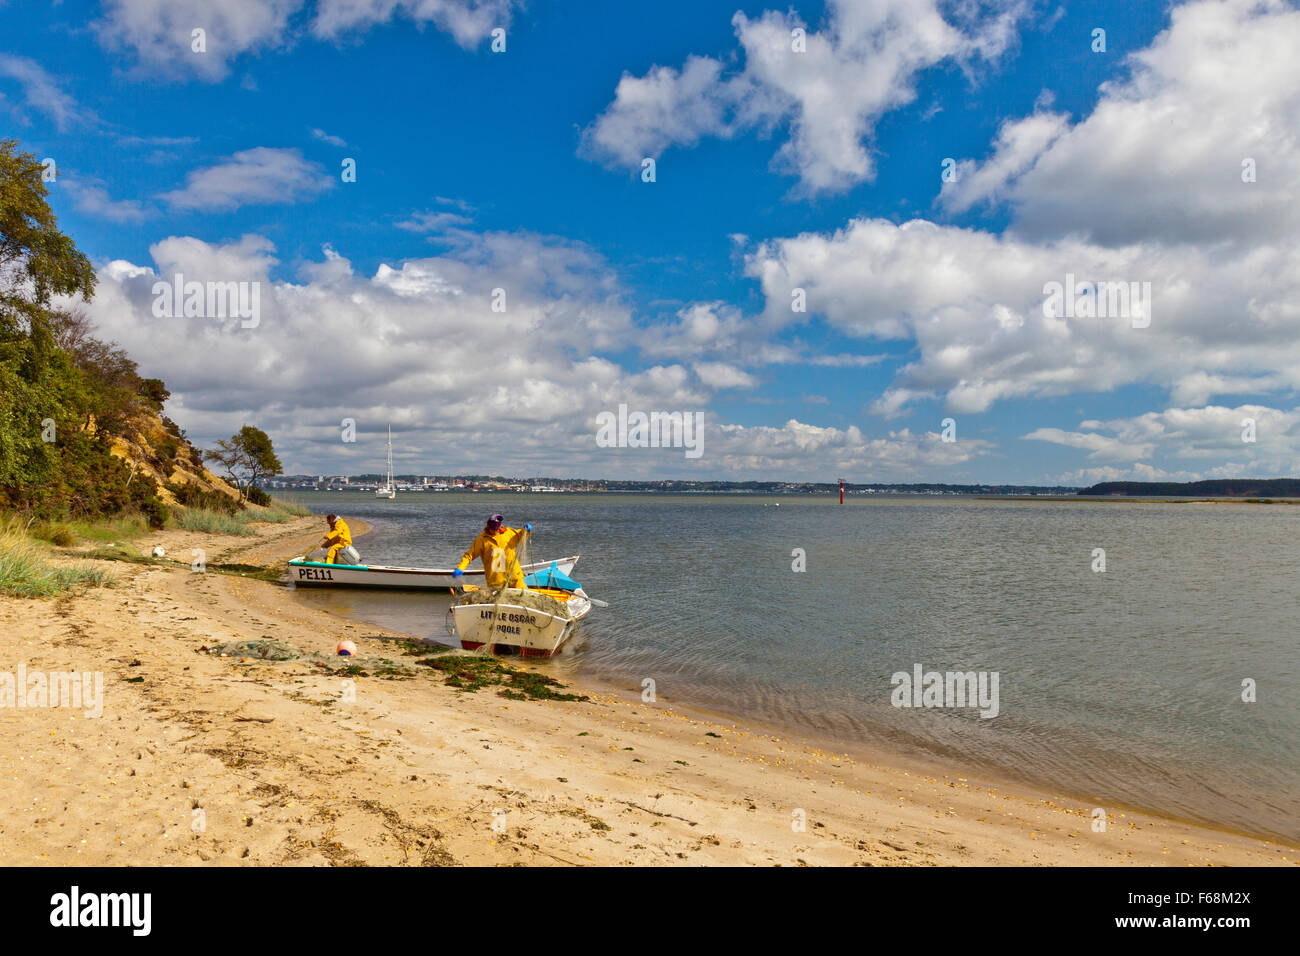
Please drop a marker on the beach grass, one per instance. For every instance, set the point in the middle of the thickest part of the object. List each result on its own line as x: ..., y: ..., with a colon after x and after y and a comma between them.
x: 26, y: 572
x: 241, y: 522
x: 65, y: 534
x: 271, y: 516
x: 288, y: 507
x: 216, y: 522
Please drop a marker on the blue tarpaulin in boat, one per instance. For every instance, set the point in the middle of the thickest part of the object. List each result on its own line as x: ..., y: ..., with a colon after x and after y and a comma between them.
x: 552, y: 577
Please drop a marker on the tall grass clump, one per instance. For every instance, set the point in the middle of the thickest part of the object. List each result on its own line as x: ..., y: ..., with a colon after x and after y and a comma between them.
x: 291, y: 507
x: 216, y: 522
x: 67, y: 533
x: 25, y: 572
x: 274, y: 510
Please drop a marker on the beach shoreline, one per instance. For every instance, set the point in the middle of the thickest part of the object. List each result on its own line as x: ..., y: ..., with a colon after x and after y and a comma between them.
x: 202, y: 759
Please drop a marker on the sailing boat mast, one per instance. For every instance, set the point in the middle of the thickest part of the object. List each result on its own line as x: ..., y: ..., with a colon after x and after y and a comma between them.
x: 389, y: 490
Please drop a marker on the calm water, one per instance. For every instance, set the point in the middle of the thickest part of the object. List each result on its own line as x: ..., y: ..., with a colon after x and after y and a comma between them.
x: 1119, y: 687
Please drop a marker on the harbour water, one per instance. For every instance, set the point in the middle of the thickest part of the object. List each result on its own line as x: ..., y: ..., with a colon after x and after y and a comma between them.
x: 1120, y: 687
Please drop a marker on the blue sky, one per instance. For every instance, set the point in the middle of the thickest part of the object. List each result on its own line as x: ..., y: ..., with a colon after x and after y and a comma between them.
x: 774, y: 169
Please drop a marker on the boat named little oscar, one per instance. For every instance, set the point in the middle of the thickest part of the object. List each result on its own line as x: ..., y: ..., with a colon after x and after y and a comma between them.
x: 533, y: 622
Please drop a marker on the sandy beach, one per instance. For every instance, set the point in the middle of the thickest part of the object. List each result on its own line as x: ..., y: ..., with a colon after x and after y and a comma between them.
x: 203, y: 759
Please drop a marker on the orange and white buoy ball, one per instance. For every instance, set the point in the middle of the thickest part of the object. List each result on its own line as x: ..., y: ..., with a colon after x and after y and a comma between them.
x: 346, y: 648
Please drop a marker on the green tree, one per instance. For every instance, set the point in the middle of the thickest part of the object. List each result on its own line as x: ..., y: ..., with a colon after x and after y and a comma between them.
x: 246, y: 457
x: 37, y: 261
x: 63, y: 393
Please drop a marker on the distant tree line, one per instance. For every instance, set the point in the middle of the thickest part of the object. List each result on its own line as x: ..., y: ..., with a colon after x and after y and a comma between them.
x: 1211, y: 488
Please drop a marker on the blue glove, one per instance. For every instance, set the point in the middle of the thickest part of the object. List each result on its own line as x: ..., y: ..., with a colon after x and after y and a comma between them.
x: 458, y: 573
x: 528, y: 527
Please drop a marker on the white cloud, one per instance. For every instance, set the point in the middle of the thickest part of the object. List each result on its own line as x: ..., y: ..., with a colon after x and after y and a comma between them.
x: 1146, y: 188
x: 800, y: 451
x: 1099, y: 446
x: 1018, y: 146
x: 41, y: 92
x: 846, y: 360
x: 158, y: 33
x: 1186, y: 434
x: 468, y: 21
x: 861, y: 66
x: 325, y: 137
x: 1160, y: 157
x: 91, y: 197
x: 251, y: 177
x: 973, y: 304
x: 467, y: 389
x: 702, y: 328
x: 719, y: 375
x: 429, y: 221
x: 666, y: 107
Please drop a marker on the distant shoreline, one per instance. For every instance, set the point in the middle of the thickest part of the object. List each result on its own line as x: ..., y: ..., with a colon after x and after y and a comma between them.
x: 855, y: 496
x: 1253, y: 489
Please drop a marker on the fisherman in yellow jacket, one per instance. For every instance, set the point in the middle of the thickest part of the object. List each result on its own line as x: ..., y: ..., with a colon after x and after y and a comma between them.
x: 495, y: 547
x: 340, y: 537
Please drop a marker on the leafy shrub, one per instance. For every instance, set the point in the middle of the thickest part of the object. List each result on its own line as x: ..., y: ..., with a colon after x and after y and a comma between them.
x: 167, y: 449
x: 191, y: 495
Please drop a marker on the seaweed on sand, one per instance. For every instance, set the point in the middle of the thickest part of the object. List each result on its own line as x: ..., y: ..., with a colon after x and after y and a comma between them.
x: 471, y: 672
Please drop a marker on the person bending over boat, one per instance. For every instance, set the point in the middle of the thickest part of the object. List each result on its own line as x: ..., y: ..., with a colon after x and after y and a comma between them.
x: 495, y: 547
x: 339, y: 538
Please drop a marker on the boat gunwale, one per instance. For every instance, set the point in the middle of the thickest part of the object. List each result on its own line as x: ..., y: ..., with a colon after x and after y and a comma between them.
x: 400, y: 570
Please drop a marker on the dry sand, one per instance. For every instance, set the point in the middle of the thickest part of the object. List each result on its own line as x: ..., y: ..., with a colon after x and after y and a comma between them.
x: 286, y: 771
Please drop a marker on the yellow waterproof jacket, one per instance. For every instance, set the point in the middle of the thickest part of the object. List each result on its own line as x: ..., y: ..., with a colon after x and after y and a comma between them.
x: 497, y: 552
x: 340, y: 536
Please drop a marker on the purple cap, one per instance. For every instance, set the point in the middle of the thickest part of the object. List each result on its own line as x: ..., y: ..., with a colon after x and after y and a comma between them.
x: 495, y: 522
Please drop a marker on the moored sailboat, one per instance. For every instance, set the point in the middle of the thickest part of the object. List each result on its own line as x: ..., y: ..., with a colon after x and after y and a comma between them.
x: 389, y: 490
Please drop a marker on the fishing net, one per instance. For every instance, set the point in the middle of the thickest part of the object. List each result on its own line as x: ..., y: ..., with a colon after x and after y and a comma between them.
x: 529, y: 599
x: 517, y: 596
x: 267, y: 649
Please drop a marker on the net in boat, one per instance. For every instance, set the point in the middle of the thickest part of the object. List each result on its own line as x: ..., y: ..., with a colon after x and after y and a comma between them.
x: 529, y: 599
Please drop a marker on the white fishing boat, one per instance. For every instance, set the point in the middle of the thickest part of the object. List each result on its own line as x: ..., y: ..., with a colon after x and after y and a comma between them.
x: 319, y: 574
x: 389, y: 490
x: 533, y: 622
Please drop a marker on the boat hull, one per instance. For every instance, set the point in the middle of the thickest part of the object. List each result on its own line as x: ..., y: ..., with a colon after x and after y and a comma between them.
x: 319, y: 574
x: 504, y: 627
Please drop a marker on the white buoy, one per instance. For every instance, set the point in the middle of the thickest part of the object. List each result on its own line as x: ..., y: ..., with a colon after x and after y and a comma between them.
x: 158, y: 552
